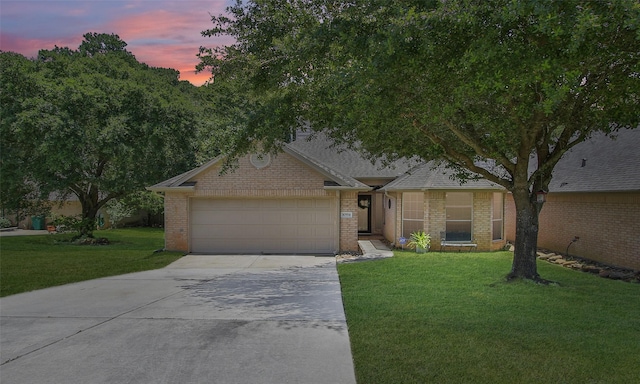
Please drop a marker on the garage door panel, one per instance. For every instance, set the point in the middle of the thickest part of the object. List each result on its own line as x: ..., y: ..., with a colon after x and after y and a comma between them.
x: 226, y: 232
x: 322, y: 217
x: 322, y: 232
x: 269, y: 225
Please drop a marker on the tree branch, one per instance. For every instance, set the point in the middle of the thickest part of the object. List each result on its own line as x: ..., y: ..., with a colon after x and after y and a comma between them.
x: 461, y: 159
x: 481, y: 151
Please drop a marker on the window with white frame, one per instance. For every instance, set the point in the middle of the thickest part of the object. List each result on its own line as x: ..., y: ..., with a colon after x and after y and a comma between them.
x: 412, y: 213
x: 459, y: 207
x: 497, y: 215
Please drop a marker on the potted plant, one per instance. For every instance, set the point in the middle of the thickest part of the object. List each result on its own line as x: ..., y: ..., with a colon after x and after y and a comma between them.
x: 420, y: 241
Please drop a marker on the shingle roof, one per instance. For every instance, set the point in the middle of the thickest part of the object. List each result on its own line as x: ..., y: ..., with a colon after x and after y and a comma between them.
x: 431, y: 175
x: 610, y: 165
x: 341, y: 179
x: 178, y: 181
x: 346, y: 160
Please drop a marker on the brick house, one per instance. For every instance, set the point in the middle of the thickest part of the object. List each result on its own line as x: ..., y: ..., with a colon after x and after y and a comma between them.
x: 314, y: 198
x: 594, y: 195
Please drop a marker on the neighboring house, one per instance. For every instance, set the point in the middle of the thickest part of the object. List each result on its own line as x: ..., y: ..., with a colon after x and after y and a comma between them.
x: 594, y: 195
x: 68, y: 207
x: 314, y: 198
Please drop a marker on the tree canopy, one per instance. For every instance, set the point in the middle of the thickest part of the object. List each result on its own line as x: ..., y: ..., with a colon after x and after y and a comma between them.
x: 499, y: 89
x: 94, y: 122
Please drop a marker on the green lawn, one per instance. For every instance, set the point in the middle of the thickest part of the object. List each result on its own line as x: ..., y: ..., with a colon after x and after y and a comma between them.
x: 36, y: 262
x: 451, y: 318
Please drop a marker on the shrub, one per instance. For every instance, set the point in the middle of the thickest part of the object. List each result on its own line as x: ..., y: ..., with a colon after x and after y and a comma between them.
x: 4, y: 222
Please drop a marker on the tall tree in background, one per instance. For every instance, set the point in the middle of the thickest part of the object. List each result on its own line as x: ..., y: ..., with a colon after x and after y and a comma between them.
x: 16, y: 195
x: 497, y: 89
x: 94, y: 122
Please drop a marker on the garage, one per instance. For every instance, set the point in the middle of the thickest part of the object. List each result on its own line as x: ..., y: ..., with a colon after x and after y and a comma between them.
x: 263, y: 226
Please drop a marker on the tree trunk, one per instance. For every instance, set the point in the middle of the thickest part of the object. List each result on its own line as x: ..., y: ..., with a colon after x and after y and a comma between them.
x: 526, y: 244
x: 88, y: 222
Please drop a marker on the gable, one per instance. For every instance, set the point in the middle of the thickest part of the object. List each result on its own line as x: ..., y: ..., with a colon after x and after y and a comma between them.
x: 282, y: 172
x: 289, y: 170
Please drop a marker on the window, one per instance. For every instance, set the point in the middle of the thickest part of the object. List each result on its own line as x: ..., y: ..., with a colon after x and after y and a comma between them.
x: 412, y: 213
x: 459, y: 206
x: 497, y: 214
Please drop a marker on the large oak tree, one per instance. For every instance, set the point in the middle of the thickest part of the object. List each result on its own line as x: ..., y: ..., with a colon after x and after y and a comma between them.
x: 500, y: 89
x: 94, y: 123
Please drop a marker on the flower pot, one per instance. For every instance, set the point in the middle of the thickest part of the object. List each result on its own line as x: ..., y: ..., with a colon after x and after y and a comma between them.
x: 422, y: 250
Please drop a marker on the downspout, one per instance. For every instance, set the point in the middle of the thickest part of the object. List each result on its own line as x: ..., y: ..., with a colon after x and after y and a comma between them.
x: 575, y: 238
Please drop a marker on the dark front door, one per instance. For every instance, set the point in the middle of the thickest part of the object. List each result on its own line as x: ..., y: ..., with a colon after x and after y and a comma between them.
x: 364, y: 214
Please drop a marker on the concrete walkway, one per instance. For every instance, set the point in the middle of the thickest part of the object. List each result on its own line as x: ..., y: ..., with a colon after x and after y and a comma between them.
x: 203, y: 319
x: 22, y: 232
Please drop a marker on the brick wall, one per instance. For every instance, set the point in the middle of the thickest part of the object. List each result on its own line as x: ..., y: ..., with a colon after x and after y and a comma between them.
x: 349, y: 227
x: 436, y: 218
x: 284, y: 177
x: 482, y: 220
x: 608, y: 225
x: 176, y: 223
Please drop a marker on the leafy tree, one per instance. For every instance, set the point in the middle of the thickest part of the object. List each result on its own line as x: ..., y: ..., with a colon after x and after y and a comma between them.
x: 101, y: 43
x: 499, y: 89
x: 96, y: 123
x: 17, y: 195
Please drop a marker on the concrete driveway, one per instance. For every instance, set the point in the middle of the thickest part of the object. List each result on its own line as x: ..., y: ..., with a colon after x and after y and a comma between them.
x: 203, y: 319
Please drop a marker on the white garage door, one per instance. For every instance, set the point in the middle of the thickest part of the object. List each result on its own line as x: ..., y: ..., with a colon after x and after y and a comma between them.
x: 285, y: 226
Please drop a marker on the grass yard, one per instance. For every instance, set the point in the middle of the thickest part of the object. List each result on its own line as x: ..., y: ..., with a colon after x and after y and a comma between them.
x: 35, y: 262
x: 451, y: 318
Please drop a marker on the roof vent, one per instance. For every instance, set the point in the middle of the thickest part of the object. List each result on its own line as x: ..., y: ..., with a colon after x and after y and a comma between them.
x: 584, y: 162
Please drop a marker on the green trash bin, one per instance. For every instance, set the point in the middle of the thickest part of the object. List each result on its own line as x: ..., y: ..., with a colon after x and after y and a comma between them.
x: 37, y: 222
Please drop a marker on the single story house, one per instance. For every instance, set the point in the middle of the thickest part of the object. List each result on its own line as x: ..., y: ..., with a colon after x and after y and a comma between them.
x: 314, y: 198
x: 594, y: 199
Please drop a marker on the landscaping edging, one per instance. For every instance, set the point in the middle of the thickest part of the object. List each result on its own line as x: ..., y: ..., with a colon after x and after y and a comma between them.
x: 588, y: 266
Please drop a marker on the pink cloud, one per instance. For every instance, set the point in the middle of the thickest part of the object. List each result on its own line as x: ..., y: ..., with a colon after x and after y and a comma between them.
x: 178, y: 56
x: 161, y: 24
x: 195, y: 78
x: 165, y: 39
x: 162, y: 33
x: 30, y: 47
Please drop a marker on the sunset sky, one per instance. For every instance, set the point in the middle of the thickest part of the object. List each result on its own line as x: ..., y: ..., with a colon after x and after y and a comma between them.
x: 160, y: 33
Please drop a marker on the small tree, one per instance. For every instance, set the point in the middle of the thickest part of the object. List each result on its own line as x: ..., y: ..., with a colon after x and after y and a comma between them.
x: 118, y: 210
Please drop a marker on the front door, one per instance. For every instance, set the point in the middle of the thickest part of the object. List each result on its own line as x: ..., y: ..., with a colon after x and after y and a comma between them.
x: 364, y: 213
